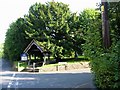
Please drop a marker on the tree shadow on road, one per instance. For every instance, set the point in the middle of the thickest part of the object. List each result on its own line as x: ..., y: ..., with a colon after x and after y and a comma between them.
x: 6, y: 65
x: 53, y: 80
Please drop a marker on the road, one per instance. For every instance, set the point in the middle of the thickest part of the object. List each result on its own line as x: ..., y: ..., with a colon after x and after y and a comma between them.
x: 68, y: 79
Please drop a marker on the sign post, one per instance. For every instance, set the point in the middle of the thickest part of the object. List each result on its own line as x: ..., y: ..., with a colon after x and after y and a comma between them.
x: 24, y: 57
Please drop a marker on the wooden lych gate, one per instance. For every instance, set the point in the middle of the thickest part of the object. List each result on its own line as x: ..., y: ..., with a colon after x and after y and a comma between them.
x: 36, y: 55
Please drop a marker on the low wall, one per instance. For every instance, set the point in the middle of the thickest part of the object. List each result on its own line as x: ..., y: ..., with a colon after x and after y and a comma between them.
x: 78, y: 65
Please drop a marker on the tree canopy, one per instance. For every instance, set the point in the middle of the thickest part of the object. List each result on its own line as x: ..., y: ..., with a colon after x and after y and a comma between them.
x: 67, y: 34
x: 52, y: 24
x: 16, y: 40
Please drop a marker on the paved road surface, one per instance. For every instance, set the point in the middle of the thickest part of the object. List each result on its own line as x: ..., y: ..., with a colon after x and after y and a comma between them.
x: 68, y: 79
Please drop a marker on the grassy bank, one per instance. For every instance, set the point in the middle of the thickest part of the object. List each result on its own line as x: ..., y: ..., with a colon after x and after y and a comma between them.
x: 1, y: 50
x: 22, y: 65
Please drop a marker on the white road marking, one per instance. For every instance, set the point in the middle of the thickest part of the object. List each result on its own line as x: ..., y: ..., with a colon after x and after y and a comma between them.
x: 82, y: 85
x: 10, y: 83
x: 16, y: 84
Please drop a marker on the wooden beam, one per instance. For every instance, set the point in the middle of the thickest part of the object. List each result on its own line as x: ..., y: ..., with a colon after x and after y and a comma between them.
x: 105, y: 24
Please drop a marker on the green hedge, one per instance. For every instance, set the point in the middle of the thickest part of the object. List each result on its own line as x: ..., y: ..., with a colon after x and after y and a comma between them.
x: 105, y: 63
x: 105, y: 67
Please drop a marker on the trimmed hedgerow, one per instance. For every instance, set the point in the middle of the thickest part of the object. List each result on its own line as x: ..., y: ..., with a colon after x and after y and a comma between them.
x: 105, y: 63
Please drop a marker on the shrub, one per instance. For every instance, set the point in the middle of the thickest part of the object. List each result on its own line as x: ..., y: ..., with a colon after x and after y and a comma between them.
x: 105, y: 63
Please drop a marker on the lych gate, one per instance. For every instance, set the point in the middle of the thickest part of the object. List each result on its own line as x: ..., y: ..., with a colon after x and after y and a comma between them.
x: 36, y: 54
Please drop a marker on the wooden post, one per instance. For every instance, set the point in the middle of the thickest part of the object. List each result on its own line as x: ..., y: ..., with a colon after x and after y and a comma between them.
x: 105, y: 24
x: 29, y: 60
x: 29, y: 57
x: 48, y: 57
x: 44, y: 62
x: 34, y: 67
x: 18, y: 66
x: 34, y: 56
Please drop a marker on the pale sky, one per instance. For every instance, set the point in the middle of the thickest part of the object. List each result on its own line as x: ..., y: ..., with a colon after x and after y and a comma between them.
x: 10, y: 10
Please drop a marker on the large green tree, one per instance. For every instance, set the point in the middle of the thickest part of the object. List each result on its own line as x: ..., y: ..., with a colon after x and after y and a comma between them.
x: 54, y: 23
x: 15, y: 41
x: 114, y: 18
x: 88, y: 24
x: 75, y: 34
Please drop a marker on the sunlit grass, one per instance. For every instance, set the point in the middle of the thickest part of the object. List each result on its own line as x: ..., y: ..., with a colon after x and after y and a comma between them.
x: 23, y: 65
x: 20, y: 65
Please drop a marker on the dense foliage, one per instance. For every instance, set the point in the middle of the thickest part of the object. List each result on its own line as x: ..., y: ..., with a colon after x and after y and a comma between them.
x: 52, y: 25
x: 16, y: 40
x: 63, y: 33
x: 105, y: 63
x: 1, y: 50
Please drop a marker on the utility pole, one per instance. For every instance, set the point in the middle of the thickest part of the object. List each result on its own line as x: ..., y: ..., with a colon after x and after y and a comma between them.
x: 105, y: 24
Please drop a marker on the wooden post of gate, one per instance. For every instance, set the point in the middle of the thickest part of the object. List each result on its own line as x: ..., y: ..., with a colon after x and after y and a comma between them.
x: 34, y: 67
x: 60, y: 64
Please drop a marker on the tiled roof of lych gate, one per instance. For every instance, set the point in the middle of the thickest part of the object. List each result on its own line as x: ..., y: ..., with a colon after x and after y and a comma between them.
x: 33, y: 42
